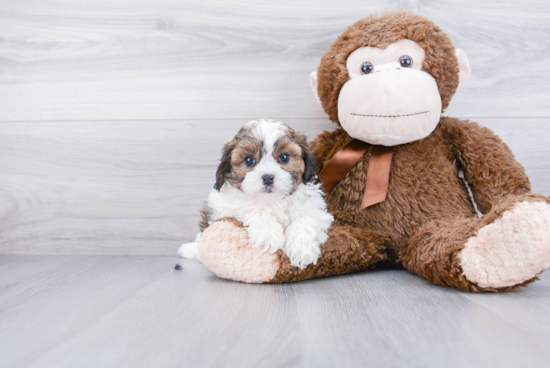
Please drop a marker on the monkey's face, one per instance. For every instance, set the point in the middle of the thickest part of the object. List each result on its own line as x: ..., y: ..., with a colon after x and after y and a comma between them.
x: 389, y: 100
x: 387, y: 79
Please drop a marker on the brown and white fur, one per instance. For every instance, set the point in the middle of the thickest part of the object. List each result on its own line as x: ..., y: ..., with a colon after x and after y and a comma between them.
x: 264, y: 180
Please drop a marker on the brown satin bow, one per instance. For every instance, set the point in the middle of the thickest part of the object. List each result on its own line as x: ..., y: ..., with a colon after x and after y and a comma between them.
x: 378, y: 173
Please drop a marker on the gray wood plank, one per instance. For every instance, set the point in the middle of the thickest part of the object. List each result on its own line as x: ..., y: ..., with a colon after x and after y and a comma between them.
x: 18, y: 274
x: 167, y: 59
x: 534, y: 305
x: 65, y: 299
x: 136, y: 187
x: 138, y: 311
x: 395, y: 319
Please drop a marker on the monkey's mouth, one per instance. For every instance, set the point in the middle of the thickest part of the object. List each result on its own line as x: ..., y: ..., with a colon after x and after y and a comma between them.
x: 390, y: 116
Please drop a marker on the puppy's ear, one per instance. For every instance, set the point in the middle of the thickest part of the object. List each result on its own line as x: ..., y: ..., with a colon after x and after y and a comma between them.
x: 311, y: 167
x: 309, y: 161
x: 224, y: 168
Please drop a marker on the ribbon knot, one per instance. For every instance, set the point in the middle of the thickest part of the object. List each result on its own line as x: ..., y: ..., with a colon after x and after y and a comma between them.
x: 378, y: 173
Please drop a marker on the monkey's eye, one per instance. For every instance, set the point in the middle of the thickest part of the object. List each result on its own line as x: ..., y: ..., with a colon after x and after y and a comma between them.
x: 405, y: 61
x: 284, y: 158
x: 366, y: 68
x: 249, y: 161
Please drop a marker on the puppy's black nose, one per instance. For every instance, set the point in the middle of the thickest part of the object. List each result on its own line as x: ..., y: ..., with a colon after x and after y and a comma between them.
x: 268, y: 179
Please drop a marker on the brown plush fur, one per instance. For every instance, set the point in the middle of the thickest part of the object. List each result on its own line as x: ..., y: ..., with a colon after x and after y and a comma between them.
x: 427, y: 216
x: 433, y: 251
x: 347, y: 250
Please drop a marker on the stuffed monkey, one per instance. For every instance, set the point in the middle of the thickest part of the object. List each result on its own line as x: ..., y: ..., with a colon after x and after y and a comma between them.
x: 391, y: 172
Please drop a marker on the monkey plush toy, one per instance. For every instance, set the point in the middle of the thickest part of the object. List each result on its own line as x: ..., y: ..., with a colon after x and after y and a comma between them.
x: 392, y: 173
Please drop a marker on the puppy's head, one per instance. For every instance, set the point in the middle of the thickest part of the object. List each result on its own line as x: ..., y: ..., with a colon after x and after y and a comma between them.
x: 266, y: 159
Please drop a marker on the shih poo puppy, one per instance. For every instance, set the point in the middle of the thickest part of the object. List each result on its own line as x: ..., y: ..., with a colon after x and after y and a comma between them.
x: 265, y: 180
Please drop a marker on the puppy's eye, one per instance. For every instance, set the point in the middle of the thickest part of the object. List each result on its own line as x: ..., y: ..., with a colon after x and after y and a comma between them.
x: 405, y: 61
x: 366, y: 68
x: 284, y: 158
x: 249, y: 161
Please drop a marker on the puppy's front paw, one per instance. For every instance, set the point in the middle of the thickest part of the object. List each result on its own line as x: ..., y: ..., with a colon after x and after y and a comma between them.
x: 302, y: 250
x: 268, y: 237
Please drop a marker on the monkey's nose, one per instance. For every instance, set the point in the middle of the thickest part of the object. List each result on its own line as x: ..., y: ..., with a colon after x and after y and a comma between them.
x: 268, y: 179
x: 387, y: 66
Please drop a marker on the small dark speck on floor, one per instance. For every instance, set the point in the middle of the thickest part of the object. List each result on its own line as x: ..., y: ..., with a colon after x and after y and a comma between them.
x: 178, y: 267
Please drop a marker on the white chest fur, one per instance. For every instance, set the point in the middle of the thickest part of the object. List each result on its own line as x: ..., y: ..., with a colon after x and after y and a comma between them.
x: 297, y: 223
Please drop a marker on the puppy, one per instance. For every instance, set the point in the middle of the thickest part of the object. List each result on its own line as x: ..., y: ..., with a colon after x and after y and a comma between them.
x: 265, y: 180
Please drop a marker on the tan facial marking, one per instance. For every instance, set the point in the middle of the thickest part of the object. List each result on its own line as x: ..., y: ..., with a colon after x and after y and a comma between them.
x: 295, y: 165
x: 247, y: 146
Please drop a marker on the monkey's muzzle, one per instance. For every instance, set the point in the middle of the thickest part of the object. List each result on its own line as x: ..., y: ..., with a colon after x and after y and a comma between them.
x: 390, y: 106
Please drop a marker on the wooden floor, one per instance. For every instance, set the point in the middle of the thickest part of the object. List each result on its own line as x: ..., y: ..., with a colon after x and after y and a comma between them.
x: 136, y: 311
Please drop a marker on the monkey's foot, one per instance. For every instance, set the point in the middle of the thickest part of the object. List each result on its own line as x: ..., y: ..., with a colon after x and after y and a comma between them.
x: 511, y: 250
x: 225, y: 250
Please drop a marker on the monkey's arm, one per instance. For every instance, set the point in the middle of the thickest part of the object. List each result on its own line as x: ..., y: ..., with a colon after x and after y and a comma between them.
x: 488, y: 164
x: 326, y: 144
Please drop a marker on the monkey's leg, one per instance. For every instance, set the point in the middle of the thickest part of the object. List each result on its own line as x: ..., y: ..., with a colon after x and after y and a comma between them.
x: 347, y: 250
x: 503, y: 250
x: 225, y: 251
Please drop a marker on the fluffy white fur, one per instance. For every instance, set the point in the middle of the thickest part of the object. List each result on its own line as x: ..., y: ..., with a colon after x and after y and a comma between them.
x: 191, y: 250
x: 296, y: 222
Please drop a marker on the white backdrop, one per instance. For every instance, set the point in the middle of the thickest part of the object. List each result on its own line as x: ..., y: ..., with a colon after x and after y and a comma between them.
x: 113, y: 113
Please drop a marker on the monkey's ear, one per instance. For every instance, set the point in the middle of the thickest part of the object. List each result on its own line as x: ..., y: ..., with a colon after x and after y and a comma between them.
x: 313, y: 83
x: 464, y: 68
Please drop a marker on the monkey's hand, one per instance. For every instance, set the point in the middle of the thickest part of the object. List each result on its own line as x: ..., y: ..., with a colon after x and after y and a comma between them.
x: 225, y: 250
